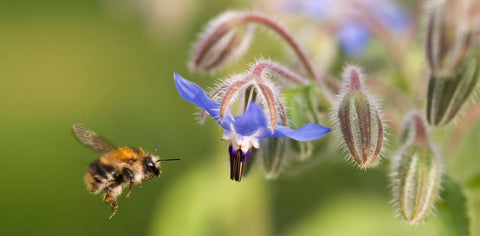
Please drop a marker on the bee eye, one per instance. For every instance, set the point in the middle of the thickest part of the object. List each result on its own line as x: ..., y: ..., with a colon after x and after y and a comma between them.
x: 150, y: 163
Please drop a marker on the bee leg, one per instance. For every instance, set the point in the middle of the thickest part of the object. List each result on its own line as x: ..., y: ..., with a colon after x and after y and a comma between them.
x: 114, y: 208
x: 148, y: 177
x: 130, y: 189
x: 130, y: 178
x: 111, y: 194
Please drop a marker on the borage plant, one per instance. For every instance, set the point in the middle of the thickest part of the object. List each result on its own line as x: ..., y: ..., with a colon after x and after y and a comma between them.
x: 279, y: 108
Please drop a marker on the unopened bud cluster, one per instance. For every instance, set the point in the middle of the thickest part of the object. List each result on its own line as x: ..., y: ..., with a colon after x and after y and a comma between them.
x: 358, y: 119
x: 416, y: 172
x: 453, y: 63
x: 453, y: 67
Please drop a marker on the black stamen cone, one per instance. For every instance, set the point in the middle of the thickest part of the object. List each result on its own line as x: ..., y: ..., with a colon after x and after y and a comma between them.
x: 237, y: 163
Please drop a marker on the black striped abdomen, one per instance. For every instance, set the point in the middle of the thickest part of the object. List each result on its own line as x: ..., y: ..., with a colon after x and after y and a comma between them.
x: 100, y: 175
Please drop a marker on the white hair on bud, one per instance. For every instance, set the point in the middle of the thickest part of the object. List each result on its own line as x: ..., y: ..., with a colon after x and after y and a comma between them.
x: 336, y: 120
x: 278, y: 99
x: 347, y: 70
x: 395, y: 183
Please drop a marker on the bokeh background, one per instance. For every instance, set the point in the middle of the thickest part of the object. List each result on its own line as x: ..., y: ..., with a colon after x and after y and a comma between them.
x: 109, y: 65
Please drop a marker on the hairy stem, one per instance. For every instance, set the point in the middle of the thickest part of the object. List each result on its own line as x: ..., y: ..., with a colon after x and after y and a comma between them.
x: 283, y: 72
x: 261, y: 19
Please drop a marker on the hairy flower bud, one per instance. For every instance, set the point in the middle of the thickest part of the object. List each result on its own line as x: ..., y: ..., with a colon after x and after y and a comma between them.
x: 407, y: 132
x: 273, y: 155
x: 225, y: 38
x: 453, y: 70
x: 449, y: 35
x: 416, y: 173
x: 281, y: 155
x: 447, y: 94
x: 358, y: 119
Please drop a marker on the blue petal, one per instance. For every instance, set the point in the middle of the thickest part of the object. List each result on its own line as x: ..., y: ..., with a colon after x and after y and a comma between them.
x: 251, y: 121
x: 191, y: 92
x: 307, y: 132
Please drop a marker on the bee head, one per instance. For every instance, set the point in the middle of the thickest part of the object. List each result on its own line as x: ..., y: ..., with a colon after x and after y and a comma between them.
x: 152, y: 162
x: 152, y: 165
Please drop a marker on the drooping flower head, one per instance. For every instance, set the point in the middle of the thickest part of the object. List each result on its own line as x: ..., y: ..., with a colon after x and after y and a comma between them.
x: 224, y: 39
x: 246, y: 130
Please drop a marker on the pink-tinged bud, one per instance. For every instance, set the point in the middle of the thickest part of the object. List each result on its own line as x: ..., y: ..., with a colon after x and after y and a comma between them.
x: 358, y: 120
x: 416, y: 173
x: 449, y: 35
x: 225, y: 38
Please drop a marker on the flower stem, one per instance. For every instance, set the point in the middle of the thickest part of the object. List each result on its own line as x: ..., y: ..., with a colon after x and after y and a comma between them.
x: 261, y: 19
x: 278, y: 69
x: 269, y: 23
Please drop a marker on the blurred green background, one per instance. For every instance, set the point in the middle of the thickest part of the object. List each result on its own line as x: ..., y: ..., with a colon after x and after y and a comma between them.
x: 110, y: 68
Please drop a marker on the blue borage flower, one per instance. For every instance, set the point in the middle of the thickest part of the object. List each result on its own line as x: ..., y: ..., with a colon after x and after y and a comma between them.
x: 245, y: 131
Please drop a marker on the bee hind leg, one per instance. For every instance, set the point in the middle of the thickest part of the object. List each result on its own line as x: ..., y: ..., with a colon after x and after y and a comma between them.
x: 114, y: 209
x: 110, y: 198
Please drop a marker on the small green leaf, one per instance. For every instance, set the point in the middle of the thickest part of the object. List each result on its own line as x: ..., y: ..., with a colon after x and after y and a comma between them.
x: 452, y: 209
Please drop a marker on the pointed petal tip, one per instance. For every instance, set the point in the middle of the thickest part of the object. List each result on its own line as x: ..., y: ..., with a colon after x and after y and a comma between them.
x: 177, y: 76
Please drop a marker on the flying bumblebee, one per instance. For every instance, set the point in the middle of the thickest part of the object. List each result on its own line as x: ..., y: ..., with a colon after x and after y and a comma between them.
x: 116, y: 167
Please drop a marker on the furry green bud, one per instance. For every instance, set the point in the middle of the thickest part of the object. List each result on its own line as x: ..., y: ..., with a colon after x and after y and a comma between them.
x: 407, y: 132
x: 358, y: 119
x: 447, y: 94
x: 274, y: 158
x: 416, y: 173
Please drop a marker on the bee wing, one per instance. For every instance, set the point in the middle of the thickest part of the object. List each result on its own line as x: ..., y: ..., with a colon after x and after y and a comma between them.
x: 90, y: 139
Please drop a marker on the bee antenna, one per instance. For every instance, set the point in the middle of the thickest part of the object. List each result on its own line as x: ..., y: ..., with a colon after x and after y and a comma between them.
x: 156, y: 146
x: 172, y: 159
